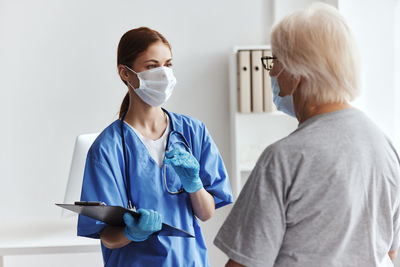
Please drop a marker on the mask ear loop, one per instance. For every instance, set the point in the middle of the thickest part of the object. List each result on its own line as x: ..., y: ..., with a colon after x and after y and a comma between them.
x: 136, y: 75
x: 130, y: 69
x: 297, y: 82
x: 279, y: 73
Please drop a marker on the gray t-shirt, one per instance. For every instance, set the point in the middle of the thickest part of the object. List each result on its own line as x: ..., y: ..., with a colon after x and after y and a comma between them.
x: 326, y: 195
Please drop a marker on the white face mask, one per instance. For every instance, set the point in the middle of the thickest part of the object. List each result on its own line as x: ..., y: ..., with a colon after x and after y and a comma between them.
x: 155, y: 85
x: 284, y: 104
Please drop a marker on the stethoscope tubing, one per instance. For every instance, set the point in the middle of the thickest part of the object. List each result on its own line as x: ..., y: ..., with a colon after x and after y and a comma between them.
x: 127, y: 180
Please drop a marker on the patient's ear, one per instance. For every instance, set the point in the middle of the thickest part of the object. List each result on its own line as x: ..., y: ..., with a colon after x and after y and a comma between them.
x: 297, y: 81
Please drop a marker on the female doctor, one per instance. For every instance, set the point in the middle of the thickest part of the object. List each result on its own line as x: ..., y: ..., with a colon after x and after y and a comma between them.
x: 163, y: 164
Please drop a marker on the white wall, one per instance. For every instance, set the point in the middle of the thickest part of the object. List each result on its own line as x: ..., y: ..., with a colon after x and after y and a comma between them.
x: 396, y: 73
x: 59, y: 79
x: 284, y: 7
x: 376, y: 29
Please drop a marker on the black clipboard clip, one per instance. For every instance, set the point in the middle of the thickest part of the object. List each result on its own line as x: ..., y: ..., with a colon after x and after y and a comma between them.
x: 90, y: 203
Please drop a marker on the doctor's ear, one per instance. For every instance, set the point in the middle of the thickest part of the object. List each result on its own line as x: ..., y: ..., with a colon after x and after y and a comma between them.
x: 123, y: 72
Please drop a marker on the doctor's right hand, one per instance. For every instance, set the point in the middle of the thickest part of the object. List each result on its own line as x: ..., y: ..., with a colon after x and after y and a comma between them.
x: 137, y: 230
x: 187, y: 167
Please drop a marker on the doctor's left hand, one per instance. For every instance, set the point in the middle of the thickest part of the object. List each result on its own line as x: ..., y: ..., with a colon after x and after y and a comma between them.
x: 140, y: 229
x: 187, y: 167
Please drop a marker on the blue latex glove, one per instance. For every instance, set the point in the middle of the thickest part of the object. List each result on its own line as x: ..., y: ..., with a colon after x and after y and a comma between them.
x: 187, y: 167
x: 139, y: 230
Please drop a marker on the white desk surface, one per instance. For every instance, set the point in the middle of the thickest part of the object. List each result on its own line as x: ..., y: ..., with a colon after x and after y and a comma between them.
x: 43, y: 236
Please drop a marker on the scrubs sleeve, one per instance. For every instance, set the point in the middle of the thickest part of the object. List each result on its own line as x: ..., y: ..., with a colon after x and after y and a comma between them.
x: 213, y: 173
x: 99, y: 184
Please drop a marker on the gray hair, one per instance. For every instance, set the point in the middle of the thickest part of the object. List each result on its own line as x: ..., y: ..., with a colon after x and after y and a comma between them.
x: 317, y: 44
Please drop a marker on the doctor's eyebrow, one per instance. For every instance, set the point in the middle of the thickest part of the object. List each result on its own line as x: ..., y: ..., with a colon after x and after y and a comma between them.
x: 156, y: 61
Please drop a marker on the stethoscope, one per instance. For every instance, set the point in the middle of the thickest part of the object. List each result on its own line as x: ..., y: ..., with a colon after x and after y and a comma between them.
x: 127, y: 180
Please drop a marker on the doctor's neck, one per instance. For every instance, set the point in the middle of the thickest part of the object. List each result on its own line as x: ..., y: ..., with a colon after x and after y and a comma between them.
x: 142, y: 115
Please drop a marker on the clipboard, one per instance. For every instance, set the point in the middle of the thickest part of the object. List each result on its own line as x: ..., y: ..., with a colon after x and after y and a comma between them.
x: 113, y: 215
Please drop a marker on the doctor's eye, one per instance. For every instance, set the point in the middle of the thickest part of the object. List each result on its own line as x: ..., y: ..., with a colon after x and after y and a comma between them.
x: 152, y: 66
x: 169, y: 65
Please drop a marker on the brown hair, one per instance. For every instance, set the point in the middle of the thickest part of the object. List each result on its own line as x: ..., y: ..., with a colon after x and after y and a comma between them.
x: 131, y: 45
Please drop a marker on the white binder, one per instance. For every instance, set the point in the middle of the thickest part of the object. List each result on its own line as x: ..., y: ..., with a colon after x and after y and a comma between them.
x: 256, y: 81
x: 244, y: 81
x: 268, y: 102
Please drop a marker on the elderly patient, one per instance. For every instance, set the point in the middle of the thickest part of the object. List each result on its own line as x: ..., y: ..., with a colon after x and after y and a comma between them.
x: 327, y: 194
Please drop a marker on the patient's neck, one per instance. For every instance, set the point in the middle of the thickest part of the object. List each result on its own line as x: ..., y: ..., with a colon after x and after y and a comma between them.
x: 310, y: 111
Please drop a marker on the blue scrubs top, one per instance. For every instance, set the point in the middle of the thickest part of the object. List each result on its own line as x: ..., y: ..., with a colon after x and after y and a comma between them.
x: 104, y: 181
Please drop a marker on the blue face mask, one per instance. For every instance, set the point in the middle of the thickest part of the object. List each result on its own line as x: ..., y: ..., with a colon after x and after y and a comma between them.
x: 284, y: 104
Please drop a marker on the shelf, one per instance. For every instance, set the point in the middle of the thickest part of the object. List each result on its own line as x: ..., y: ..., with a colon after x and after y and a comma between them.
x: 252, y: 132
x: 250, y: 47
x: 43, y: 236
x: 261, y: 114
x: 246, y: 167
